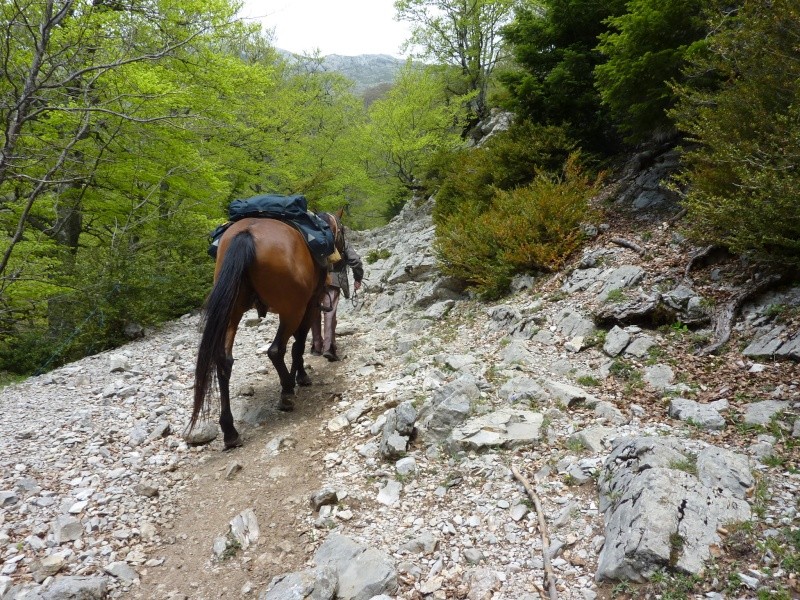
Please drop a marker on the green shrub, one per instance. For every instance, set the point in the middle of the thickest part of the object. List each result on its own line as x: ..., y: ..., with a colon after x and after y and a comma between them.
x: 743, y: 178
x: 508, y: 160
x: 375, y: 255
x: 146, y: 279
x: 530, y: 228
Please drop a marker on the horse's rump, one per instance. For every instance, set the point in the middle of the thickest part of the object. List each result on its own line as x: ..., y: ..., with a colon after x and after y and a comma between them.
x: 284, y: 274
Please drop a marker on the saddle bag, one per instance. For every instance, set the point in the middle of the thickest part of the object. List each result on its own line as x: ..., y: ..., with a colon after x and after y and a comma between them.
x: 291, y: 209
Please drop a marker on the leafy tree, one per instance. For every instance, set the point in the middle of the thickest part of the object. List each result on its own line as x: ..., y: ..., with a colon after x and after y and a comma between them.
x: 83, y: 81
x: 646, y: 49
x: 554, y: 45
x: 463, y: 34
x: 411, y: 123
x: 743, y: 181
x: 128, y: 129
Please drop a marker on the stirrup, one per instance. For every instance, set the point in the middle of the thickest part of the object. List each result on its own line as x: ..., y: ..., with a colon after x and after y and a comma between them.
x: 325, y: 308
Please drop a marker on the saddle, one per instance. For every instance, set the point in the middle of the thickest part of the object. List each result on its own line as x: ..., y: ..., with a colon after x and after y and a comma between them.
x: 292, y: 210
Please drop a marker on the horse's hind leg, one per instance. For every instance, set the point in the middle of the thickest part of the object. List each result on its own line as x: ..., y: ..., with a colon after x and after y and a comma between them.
x: 299, y: 346
x: 276, y: 353
x: 230, y: 435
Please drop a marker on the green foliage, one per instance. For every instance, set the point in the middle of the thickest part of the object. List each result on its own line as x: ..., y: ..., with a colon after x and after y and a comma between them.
x: 626, y: 371
x: 687, y: 465
x: 622, y: 588
x: 554, y: 44
x: 588, y: 381
x: 508, y: 160
x: 375, y: 255
x: 679, y: 328
x: 646, y: 48
x: 412, y: 122
x: 112, y: 178
x: 598, y: 338
x: 670, y: 585
x: 743, y: 178
x: 533, y: 227
x: 463, y: 35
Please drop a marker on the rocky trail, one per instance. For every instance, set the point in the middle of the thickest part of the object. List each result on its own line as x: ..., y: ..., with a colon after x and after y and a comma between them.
x: 656, y: 467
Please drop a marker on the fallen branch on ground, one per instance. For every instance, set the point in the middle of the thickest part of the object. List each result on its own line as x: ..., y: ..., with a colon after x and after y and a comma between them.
x: 723, y: 318
x: 706, y: 256
x: 628, y: 244
x: 548, y: 568
x: 677, y: 217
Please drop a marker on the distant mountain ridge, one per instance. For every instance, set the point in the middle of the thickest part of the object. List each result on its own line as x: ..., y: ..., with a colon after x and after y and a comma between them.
x: 365, y: 70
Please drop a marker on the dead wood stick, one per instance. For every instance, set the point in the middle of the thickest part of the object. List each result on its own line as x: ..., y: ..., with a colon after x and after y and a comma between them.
x: 548, y: 568
x: 677, y: 217
x: 540, y: 589
x: 724, y: 316
x: 628, y: 244
x: 705, y: 256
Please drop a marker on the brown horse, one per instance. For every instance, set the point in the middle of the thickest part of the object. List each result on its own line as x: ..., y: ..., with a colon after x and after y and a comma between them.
x: 264, y: 263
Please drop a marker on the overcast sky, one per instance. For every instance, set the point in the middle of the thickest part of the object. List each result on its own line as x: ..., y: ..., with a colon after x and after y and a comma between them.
x: 347, y: 27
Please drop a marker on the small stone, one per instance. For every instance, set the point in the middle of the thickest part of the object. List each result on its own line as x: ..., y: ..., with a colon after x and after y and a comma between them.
x: 431, y: 585
x: 219, y: 545
x: 232, y: 469
x: 473, y: 556
x: 202, y: 433
x: 325, y: 496
x: 47, y: 566
x: 338, y: 423
x: 518, y: 511
x: 122, y: 571
x: 8, y: 498
x: 244, y: 528
x: 66, y: 529
x: 406, y: 465
x: 390, y: 493
x: 146, y: 489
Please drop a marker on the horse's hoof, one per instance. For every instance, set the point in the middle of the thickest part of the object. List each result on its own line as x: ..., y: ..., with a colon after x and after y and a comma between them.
x: 286, y: 404
x: 304, y: 380
x: 234, y: 443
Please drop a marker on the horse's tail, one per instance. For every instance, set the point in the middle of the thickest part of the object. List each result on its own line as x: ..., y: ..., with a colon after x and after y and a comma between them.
x: 239, y: 256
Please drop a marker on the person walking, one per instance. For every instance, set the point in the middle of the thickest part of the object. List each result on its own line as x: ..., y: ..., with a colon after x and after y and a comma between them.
x: 323, y: 335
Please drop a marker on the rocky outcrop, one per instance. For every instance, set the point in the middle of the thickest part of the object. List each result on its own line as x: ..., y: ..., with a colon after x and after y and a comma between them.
x: 664, y: 505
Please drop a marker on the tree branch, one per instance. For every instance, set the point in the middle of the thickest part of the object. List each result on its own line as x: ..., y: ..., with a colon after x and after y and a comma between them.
x: 548, y: 568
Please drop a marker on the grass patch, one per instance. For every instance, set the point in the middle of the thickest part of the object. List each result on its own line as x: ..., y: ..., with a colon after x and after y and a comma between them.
x: 588, y: 381
x: 232, y: 546
x: 627, y: 372
x: 9, y: 378
x: 598, y: 338
x: 672, y: 586
x: 615, y: 296
x: 687, y: 465
x: 376, y: 254
x: 574, y: 445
